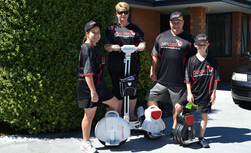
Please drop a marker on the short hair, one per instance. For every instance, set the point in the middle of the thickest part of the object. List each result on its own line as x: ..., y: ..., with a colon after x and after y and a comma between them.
x: 122, y: 5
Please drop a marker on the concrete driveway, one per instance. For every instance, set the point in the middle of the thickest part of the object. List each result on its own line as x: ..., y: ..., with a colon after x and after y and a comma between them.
x: 229, y: 131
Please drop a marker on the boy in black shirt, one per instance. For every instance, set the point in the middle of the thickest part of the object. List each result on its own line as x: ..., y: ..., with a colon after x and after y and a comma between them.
x: 201, y: 77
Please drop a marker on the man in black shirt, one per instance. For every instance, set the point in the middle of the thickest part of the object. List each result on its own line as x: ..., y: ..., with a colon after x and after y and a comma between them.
x: 171, y: 51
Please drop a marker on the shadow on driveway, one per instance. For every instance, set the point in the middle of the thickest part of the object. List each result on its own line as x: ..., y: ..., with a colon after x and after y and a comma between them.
x: 228, y: 135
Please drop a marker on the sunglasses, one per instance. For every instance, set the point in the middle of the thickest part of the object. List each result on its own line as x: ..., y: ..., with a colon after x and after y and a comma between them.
x: 201, y: 45
x: 125, y: 12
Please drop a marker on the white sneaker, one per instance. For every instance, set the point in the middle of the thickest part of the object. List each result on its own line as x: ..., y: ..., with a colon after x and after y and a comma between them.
x: 87, y: 147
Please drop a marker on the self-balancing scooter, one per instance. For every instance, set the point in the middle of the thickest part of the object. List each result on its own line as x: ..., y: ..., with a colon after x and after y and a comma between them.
x: 112, y: 130
x: 149, y: 120
x: 185, y: 131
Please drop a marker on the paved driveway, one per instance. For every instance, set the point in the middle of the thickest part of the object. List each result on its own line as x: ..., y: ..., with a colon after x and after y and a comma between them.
x: 229, y: 131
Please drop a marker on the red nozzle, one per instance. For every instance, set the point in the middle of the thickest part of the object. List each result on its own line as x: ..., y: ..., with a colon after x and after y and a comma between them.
x: 189, y: 119
x: 156, y: 114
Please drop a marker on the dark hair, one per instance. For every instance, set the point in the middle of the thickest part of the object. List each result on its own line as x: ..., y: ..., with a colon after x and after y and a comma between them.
x: 85, y: 38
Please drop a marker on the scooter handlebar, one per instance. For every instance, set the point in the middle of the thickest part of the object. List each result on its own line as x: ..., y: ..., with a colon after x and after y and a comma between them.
x: 128, y: 49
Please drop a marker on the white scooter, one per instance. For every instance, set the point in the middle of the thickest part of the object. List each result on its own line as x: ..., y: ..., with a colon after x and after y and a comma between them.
x: 112, y: 130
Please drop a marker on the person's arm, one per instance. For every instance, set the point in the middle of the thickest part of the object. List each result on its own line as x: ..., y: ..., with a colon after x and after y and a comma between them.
x: 90, y: 83
x: 190, y: 97
x: 112, y: 47
x: 213, y: 95
x: 108, y: 40
x: 141, y: 40
x: 141, y: 46
x: 217, y: 78
x: 153, y: 69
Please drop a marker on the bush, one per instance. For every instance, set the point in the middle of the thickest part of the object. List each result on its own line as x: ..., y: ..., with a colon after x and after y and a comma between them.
x: 39, y: 46
x: 144, y: 80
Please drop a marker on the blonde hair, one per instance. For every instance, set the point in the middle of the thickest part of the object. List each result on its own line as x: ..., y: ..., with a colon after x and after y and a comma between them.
x: 122, y: 5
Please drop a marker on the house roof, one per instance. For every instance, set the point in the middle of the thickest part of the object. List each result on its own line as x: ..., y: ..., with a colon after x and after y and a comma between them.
x: 212, y: 6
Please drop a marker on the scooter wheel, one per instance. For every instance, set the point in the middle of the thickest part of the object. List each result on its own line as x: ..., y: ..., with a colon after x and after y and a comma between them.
x: 176, y: 139
x: 121, y: 143
x: 152, y: 137
x: 182, y: 141
x: 175, y: 136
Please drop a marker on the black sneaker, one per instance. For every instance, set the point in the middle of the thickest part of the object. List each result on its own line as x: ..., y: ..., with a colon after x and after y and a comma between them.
x: 171, y: 135
x: 203, y: 143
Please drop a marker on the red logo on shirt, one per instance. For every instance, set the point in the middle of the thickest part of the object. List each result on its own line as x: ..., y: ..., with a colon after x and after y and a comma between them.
x: 131, y: 33
x: 178, y: 44
x: 207, y: 71
x: 103, y: 60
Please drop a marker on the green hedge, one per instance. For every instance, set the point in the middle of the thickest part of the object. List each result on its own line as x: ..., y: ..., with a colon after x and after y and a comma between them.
x: 39, y: 47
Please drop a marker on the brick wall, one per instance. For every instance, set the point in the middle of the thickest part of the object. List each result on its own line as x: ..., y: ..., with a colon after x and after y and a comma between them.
x: 197, y: 20
x: 149, y: 23
x: 228, y: 64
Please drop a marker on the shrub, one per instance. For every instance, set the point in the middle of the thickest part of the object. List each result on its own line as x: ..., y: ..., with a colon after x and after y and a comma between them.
x: 39, y: 46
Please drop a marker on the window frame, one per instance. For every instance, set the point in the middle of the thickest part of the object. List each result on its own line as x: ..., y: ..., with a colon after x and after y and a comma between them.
x: 228, y: 53
x: 245, y: 45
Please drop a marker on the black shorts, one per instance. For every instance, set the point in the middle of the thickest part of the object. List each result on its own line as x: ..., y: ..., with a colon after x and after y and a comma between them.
x: 104, y: 95
x: 165, y: 93
x: 203, y: 106
x: 115, y: 78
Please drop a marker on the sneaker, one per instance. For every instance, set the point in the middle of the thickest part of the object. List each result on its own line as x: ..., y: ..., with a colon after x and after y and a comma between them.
x: 87, y: 147
x: 171, y: 135
x: 203, y: 143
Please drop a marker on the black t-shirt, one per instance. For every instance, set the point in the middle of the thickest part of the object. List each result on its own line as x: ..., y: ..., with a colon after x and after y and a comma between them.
x: 129, y: 35
x: 91, y: 62
x: 202, y: 75
x: 172, y: 52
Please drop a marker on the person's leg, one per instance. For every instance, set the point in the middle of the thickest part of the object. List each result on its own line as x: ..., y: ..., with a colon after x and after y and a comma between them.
x: 174, y: 119
x: 86, y: 145
x: 87, y: 122
x: 132, y: 105
x: 176, y: 93
x: 151, y: 103
x: 120, y: 104
x: 115, y: 78
x: 113, y: 104
x: 203, y: 124
x: 176, y: 110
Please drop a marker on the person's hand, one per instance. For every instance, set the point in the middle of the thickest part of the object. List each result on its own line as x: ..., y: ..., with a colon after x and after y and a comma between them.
x: 213, y: 97
x: 141, y: 47
x: 153, y: 77
x: 190, y: 98
x: 116, y: 47
x: 94, y: 97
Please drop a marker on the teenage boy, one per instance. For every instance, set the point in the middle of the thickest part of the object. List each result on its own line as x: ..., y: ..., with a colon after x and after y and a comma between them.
x: 201, y: 77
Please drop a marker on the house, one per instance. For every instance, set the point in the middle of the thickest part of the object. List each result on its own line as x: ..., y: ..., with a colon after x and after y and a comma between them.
x: 226, y: 22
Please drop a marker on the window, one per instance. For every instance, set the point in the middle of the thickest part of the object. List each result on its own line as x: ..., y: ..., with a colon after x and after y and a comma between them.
x: 245, y: 33
x: 219, y: 34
